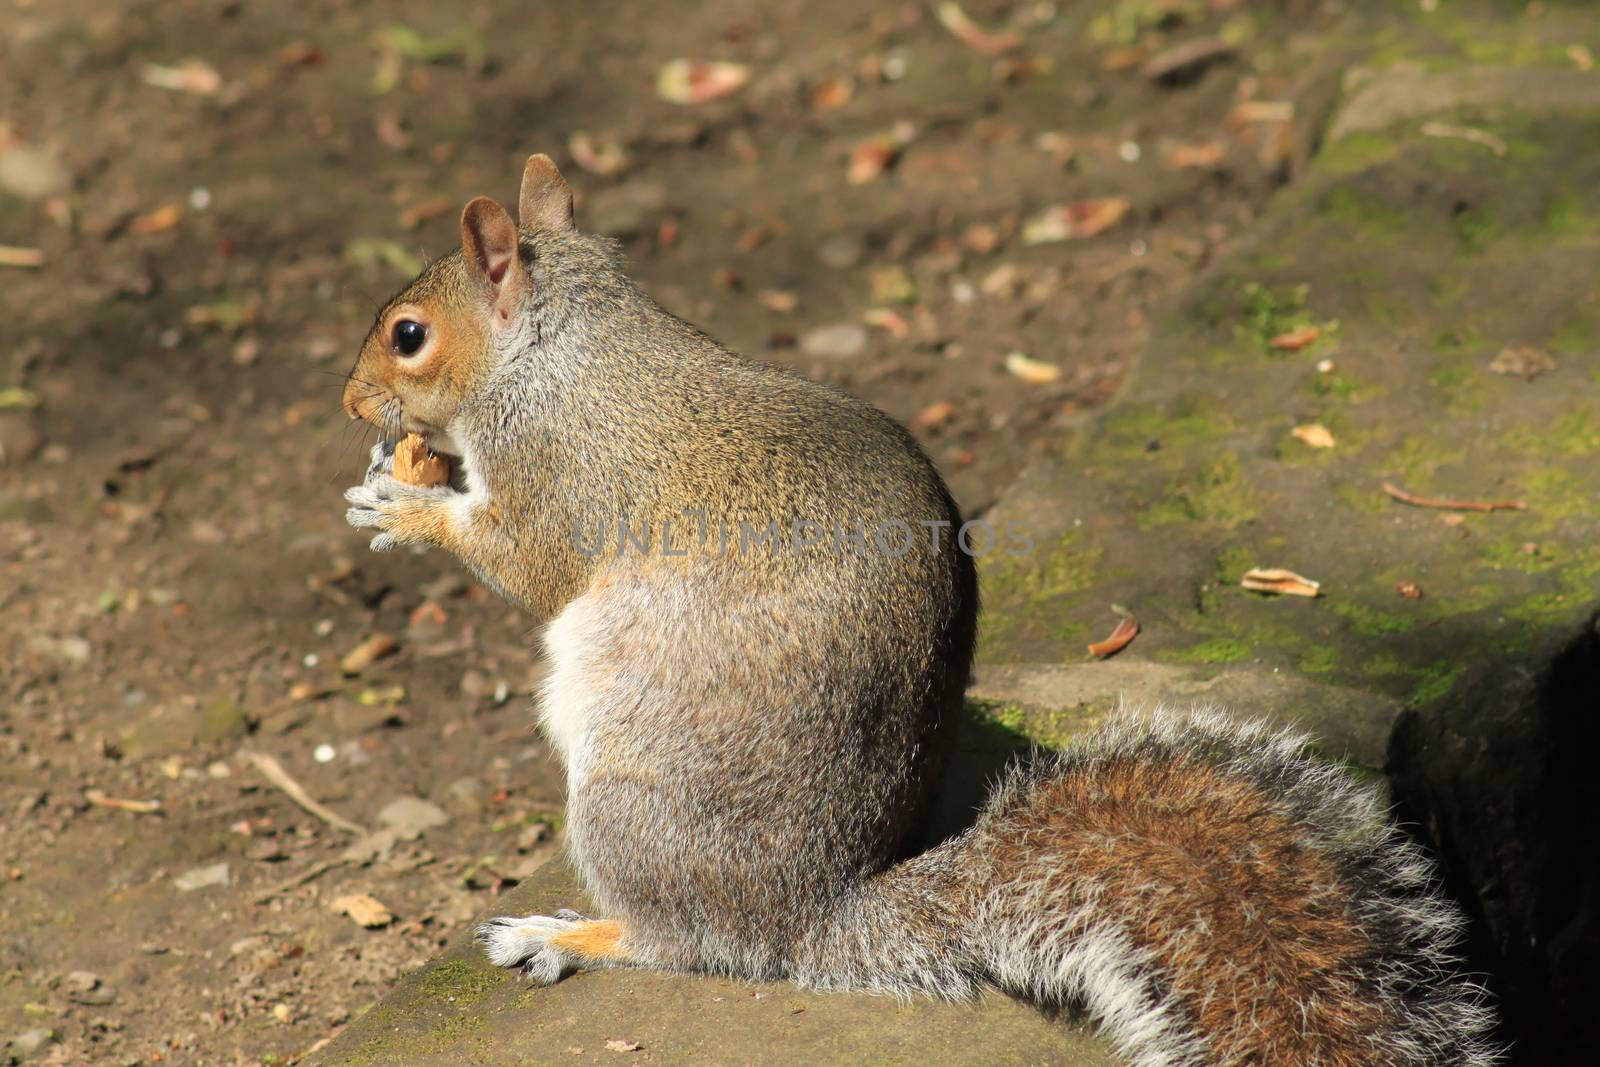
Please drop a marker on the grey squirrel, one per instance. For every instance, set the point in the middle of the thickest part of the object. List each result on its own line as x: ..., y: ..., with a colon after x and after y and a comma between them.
x: 753, y: 724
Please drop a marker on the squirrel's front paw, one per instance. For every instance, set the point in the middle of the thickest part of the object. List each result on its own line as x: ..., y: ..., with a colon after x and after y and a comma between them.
x: 404, y: 514
x: 528, y: 942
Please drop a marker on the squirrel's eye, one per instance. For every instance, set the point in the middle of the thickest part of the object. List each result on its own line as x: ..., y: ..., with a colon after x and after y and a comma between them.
x: 408, y: 336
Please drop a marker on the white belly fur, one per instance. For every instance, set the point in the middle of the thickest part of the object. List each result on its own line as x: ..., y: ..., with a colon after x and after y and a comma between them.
x: 569, y: 693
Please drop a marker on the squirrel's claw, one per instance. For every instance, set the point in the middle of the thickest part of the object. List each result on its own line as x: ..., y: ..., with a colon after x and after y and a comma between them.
x: 524, y: 942
x: 382, y: 459
x: 381, y: 503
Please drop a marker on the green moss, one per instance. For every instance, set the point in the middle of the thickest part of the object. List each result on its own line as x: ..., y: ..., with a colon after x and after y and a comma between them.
x: 1319, y: 660
x: 1216, y: 650
x: 1216, y: 493
x: 457, y: 981
x: 1052, y: 571
x: 1022, y: 593
x: 1524, y: 556
x: 1459, y: 384
x: 1125, y: 21
x: 1555, y: 492
x: 1369, y: 621
x: 1434, y: 683
x: 1050, y: 727
x: 1448, y: 290
x: 1543, y: 609
x: 1382, y: 665
x: 1356, y: 210
x: 1475, y: 228
x: 1233, y: 561
x: 1332, y: 386
x: 1172, y: 430
x: 1576, y: 433
x: 1417, y: 457
x: 1357, y: 152
x: 1566, y: 216
x: 1460, y: 338
x: 1578, y: 336
x: 1270, y: 311
x: 1363, y: 497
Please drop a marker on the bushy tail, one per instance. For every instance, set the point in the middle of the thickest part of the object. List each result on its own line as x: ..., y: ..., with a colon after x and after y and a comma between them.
x: 1206, y: 890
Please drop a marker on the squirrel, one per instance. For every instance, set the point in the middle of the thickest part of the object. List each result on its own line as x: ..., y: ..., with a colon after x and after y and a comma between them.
x: 752, y: 706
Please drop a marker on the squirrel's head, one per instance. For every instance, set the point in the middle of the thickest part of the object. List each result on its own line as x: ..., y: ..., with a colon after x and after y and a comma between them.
x: 438, y: 340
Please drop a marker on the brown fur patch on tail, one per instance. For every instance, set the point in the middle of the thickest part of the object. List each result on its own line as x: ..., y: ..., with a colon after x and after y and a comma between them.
x: 1254, y: 930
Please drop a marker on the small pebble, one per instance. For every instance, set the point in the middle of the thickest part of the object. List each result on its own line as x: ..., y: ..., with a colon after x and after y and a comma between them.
x: 323, y: 753
x: 202, y: 877
x: 841, y: 340
x: 31, y: 1041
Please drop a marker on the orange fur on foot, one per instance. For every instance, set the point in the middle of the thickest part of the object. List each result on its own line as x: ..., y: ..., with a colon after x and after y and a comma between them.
x: 600, y: 939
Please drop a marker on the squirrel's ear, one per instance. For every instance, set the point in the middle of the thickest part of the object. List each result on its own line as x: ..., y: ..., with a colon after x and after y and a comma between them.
x: 545, y: 202
x: 489, y: 246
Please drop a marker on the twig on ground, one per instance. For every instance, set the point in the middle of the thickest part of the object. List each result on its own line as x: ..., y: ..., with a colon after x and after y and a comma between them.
x: 273, y: 771
x: 309, y: 874
x: 1451, y: 505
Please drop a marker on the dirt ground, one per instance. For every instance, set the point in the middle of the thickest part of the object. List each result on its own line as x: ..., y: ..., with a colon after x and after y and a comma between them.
x: 223, y: 193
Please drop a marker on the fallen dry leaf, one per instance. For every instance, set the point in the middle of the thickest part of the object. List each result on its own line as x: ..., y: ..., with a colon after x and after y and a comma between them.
x: 1447, y: 504
x: 1314, y: 434
x: 1522, y: 361
x: 624, y: 1046
x: 299, y: 54
x: 223, y: 315
x: 191, y: 76
x: 1060, y: 147
x: 974, y: 36
x: 980, y: 238
x: 1409, y: 590
x: 1120, y: 59
x: 1296, y: 339
x: 699, y: 81
x: 16, y: 256
x: 390, y: 132
x: 162, y: 218
x: 1082, y: 218
x: 365, y: 910
x: 1032, y: 371
x: 1261, y: 111
x: 935, y: 414
x: 780, y: 300
x: 1581, y: 57
x: 1126, y: 630
x: 870, y: 158
x: 1279, y: 581
x: 598, y: 157
x: 367, y: 653
x: 1204, y: 154
x: 888, y: 319
x: 833, y: 93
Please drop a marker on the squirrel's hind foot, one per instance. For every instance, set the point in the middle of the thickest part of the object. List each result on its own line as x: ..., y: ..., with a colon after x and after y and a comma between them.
x: 546, y: 947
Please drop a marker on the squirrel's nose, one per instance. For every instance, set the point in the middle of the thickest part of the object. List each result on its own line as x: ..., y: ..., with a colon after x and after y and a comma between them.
x: 353, y: 396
